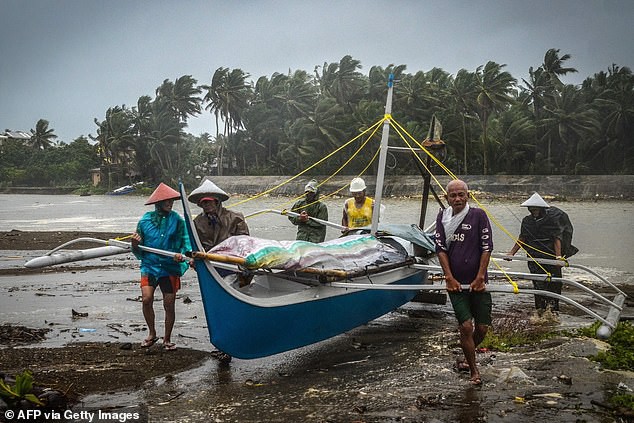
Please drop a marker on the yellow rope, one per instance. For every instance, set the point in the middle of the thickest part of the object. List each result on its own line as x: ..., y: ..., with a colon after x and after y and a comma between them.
x: 400, y: 130
x: 307, y: 169
x: 403, y: 134
x: 376, y: 128
x: 516, y: 288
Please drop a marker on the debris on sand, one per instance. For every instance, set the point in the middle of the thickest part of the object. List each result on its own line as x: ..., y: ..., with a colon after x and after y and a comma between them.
x: 18, y: 335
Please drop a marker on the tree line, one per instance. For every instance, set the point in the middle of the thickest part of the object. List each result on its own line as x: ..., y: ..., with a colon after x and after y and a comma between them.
x: 278, y: 125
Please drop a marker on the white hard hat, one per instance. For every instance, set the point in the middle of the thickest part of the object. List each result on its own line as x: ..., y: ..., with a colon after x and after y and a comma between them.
x: 357, y: 185
x: 535, y: 201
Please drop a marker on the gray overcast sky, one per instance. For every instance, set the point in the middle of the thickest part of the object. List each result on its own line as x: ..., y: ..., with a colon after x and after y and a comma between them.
x: 67, y: 61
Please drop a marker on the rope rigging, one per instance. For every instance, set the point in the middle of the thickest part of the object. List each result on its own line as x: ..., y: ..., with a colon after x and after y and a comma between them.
x: 411, y: 144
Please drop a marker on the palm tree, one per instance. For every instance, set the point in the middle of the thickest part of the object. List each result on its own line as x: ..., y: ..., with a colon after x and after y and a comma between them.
x: 553, y: 67
x: 297, y: 95
x: 377, y: 81
x: 142, y: 121
x: 463, y: 98
x: 42, y: 137
x: 343, y: 82
x: 115, y: 136
x: 574, y: 123
x: 227, y: 98
x: 494, y: 89
x: 166, y: 132
x: 613, y: 94
x: 181, y: 96
x: 515, y: 150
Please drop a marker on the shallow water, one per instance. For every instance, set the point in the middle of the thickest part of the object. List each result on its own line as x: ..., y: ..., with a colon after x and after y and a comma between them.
x: 604, y: 230
x: 377, y: 372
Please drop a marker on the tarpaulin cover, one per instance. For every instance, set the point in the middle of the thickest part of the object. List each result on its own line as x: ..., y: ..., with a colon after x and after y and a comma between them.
x: 347, y: 253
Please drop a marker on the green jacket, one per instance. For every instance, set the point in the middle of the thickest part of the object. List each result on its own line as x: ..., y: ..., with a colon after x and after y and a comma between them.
x: 310, y: 231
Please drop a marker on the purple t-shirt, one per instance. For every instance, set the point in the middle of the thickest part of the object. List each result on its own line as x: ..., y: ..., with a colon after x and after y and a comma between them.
x: 471, y: 239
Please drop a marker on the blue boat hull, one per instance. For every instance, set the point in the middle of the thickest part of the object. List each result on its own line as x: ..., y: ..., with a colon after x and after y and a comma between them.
x: 247, y: 326
x: 246, y: 330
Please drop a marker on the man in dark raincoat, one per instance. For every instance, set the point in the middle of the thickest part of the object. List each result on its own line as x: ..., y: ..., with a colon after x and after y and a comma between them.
x: 545, y: 233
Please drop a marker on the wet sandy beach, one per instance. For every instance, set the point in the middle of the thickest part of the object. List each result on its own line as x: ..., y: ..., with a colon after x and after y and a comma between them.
x: 397, y: 368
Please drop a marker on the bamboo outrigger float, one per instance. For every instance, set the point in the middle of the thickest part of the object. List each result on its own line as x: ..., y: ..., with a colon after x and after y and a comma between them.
x: 284, y: 309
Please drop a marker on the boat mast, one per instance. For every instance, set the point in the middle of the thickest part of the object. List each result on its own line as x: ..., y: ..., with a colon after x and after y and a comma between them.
x: 382, y: 156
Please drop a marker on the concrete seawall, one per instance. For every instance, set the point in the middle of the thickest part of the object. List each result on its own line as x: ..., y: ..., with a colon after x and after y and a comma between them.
x: 586, y: 187
x: 617, y: 187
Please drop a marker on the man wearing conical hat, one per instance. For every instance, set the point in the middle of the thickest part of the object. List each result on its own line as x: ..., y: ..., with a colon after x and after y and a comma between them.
x: 545, y: 233
x: 310, y: 206
x: 163, y: 229
x: 215, y: 223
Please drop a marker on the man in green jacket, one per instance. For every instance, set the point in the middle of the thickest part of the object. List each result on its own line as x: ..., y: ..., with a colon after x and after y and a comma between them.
x: 310, y: 206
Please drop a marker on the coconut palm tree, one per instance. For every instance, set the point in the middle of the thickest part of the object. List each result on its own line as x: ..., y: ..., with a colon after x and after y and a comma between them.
x: 377, y: 81
x: 42, y: 137
x: 462, y: 96
x: 494, y: 92
x: 613, y: 94
x: 181, y: 96
x: 227, y: 98
x: 181, y: 99
x: 553, y: 67
x: 573, y: 123
x: 115, y: 136
x: 166, y: 133
x: 343, y: 82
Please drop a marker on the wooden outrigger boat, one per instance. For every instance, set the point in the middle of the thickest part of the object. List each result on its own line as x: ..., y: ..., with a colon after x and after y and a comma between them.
x: 281, y: 310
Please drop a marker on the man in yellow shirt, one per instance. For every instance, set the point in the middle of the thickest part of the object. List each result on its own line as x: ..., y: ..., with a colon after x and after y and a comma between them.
x: 357, y: 211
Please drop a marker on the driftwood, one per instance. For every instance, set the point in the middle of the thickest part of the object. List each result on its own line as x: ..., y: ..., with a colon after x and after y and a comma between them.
x: 11, y: 335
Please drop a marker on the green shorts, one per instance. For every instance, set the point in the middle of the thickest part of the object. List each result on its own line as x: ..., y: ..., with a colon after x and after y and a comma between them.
x: 472, y: 305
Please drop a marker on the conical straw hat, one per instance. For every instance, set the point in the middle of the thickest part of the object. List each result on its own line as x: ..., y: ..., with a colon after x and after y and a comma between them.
x: 207, y: 189
x: 535, y: 201
x: 161, y: 193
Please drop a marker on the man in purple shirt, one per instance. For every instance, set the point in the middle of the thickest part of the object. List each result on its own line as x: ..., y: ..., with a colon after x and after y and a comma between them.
x: 464, y: 244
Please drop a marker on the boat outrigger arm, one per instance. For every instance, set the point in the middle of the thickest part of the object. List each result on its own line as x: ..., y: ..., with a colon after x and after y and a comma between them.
x: 609, y: 322
x: 335, y: 278
x: 605, y: 330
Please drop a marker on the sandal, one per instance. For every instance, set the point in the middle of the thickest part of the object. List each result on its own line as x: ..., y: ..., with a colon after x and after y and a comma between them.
x: 169, y: 346
x: 147, y: 343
